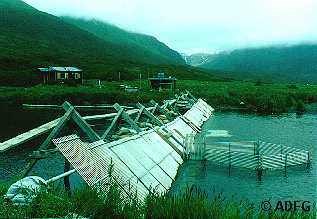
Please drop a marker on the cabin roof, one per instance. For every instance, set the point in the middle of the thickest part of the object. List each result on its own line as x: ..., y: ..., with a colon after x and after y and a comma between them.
x: 163, y: 79
x: 60, y: 69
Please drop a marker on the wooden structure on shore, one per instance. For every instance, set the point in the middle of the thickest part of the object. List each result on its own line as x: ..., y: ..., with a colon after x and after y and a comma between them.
x: 163, y: 83
x: 145, y: 145
x: 63, y: 75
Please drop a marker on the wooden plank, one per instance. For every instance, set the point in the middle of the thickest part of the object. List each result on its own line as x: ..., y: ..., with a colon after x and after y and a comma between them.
x: 22, y: 138
x: 127, y: 118
x: 140, y: 113
x: 149, y: 114
x: 31, y: 134
x: 109, y: 115
x: 49, y: 106
x: 84, y: 126
x: 112, y: 125
x: 161, y: 110
x: 66, y: 178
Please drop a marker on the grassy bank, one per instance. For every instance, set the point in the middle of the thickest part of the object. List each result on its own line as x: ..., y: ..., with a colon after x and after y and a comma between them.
x: 89, y: 203
x: 233, y: 95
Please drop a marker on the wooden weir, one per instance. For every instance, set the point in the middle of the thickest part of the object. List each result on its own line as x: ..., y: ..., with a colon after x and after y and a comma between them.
x: 155, y: 132
x: 145, y: 146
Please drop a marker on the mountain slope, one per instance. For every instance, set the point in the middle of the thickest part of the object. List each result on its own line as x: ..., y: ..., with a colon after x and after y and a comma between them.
x: 30, y: 39
x: 149, y: 45
x: 289, y: 63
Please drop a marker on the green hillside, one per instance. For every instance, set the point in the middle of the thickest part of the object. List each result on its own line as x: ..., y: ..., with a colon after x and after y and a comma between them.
x: 148, y: 45
x: 30, y: 39
x: 285, y: 63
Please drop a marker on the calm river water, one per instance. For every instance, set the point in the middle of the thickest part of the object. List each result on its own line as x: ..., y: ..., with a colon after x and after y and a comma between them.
x: 288, y: 129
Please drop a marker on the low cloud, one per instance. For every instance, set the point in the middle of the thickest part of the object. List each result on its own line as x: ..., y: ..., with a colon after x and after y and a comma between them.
x: 201, y: 25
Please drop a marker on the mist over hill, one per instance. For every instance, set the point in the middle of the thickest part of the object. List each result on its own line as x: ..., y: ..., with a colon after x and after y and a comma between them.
x: 144, y: 44
x: 296, y: 63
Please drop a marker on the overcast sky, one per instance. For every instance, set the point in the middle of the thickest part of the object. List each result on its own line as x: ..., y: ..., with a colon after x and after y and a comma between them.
x: 201, y: 25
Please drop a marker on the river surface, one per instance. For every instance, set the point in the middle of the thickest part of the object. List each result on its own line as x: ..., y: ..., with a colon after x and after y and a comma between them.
x: 288, y: 129
x: 300, y: 183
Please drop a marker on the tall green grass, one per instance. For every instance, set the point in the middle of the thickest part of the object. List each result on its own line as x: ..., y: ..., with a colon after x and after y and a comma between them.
x: 87, y: 202
x: 233, y: 95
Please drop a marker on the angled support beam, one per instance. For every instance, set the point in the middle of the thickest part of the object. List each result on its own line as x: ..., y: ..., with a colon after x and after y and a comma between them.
x: 61, y: 124
x: 190, y: 100
x: 112, y: 125
x: 154, y: 109
x: 139, y: 114
x: 149, y: 114
x: 191, y: 96
x: 127, y: 118
x: 161, y: 110
x: 93, y: 136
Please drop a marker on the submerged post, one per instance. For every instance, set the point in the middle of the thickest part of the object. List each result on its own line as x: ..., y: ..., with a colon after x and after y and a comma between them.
x: 285, y: 165
x: 308, y: 159
x: 259, y: 169
x: 259, y: 159
x: 229, y: 147
x: 66, y: 178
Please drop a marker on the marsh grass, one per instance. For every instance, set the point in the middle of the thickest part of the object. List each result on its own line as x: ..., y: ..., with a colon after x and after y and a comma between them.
x: 193, y: 203
x: 231, y: 95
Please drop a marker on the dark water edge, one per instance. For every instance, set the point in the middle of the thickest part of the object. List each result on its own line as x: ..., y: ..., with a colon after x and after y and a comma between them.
x: 309, y: 109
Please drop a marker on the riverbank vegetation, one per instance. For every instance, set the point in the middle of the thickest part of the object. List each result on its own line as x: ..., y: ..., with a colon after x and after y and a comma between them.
x: 254, y: 97
x: 89, y: 203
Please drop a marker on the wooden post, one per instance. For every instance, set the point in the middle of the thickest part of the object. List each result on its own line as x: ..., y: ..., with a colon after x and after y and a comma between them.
x: 257, y: 155
x: 112, y: 125
x: 70, y: 113
x: 190, y: 100
x: 229, y: 147
x: 191, y: 96
x: 66, y: 178
x: 127, y: 118
x: 285, y: 166
x: 83, y: 125
x: 154, y: 109
x: 61, y: 124
x: 139, y: 114
x: 161, y: 110
x: 149, y: 114
x: 260, y: 168
x: 308, y: 159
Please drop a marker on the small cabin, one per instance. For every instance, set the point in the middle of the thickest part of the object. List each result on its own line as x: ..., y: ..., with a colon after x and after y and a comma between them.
x: 161, y: 82
x: 61, y: 75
